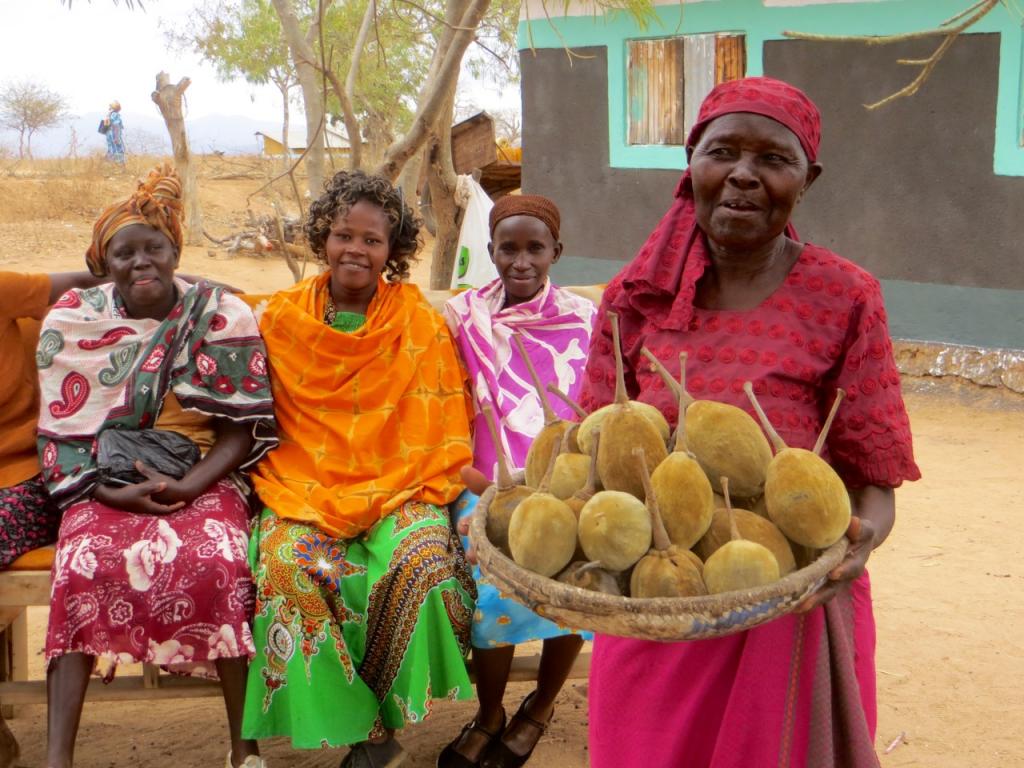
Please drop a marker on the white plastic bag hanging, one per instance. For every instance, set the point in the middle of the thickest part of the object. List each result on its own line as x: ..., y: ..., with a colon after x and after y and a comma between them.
x: 473, y: 265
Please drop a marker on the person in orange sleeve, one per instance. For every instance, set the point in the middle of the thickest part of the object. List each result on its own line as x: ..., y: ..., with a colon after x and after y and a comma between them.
x: 28, y: 520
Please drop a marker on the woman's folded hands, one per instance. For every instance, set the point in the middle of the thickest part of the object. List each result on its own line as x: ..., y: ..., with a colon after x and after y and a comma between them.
x: 157, y: 495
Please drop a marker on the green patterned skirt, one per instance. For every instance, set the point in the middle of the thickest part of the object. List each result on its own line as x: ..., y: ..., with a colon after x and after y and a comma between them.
x: 360, y: 635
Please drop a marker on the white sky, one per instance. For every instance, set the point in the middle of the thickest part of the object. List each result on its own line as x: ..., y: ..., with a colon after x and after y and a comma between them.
x: 96, y: 52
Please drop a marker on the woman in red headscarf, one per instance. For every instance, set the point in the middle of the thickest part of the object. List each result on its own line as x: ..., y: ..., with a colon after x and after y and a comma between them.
x: 725, y: 278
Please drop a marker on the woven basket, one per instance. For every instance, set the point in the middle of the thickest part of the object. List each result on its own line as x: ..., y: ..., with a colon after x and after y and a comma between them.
x: 660, y: 618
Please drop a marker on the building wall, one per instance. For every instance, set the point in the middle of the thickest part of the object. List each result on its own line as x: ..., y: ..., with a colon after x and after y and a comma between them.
x: 909, y: 191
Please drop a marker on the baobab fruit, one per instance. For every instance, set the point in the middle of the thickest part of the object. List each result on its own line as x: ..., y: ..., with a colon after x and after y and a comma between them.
x: 574, y: 427
x: 684, y: 495
x: 758, y: 506
x: 665, y: 571
x: 738, y: 564
x: 592, y: 423
x: 694, y: 558
x: 623, y: 429
x: 591, y: 576
x: 724, y: 439
x: 727, y: 442
x: 577, y: 501
x: 507, y: 495
x: 549, y: 438
x: 751, y: 527
x: 804, y: 495
x: 615, y: 528
x: 570, y: 472
x: 542, y: 530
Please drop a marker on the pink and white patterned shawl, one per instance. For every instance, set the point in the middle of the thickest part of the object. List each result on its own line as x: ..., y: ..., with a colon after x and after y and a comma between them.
x: 555, y: 329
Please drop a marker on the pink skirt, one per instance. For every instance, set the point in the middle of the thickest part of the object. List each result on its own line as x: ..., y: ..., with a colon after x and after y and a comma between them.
x: 174, y: 590
x: 798, y: 691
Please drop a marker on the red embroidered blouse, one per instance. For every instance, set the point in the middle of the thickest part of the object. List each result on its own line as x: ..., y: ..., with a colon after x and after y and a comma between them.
x: 825, y: 327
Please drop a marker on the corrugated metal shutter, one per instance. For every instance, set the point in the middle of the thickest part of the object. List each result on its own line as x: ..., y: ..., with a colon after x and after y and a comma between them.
x: 698, y: 74
x: 654, y: 100
x: 668, y: 79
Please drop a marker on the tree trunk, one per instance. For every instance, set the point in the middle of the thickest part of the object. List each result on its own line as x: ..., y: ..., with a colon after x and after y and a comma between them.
x: 442, y: 180
x: 312, y: 96
x: 21, y: 144
x: 349, y: 97
x: 168, y: 98
x: 409, y: 181
x: 463, y: 18
x: 285, y: 125
x: 355, y: 157
x: 28, y: 144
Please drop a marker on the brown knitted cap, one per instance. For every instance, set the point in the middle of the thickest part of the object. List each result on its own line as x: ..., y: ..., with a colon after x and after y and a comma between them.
x: 537, y: 206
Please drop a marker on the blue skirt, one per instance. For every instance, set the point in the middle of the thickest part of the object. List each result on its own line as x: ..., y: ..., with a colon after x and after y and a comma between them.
x: 500, y: 620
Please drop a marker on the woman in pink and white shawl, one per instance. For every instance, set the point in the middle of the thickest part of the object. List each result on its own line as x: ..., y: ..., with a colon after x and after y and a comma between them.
x: 554, y: 326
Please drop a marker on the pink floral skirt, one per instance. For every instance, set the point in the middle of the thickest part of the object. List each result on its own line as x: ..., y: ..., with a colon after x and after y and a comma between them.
x: 174, y: 590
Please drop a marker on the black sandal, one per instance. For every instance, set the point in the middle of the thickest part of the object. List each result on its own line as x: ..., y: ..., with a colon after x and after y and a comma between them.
x: 498, y: 755
x: 449, y: 758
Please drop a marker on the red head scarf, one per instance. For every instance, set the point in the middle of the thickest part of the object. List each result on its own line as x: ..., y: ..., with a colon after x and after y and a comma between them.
x: 763, y: 96
x: 156, y: 203
x: 668, y: 266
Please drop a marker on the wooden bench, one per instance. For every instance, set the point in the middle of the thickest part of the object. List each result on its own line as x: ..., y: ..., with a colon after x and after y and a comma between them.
x: 27, y: 584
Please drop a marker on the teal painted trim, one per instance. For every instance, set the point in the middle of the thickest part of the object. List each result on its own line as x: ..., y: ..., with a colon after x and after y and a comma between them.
x: 978, y: 317
x: 760, y: 23
x: 580, y: 270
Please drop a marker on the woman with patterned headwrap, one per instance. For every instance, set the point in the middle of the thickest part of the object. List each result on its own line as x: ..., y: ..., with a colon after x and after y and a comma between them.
x: 152, y: 569
x: 725, y: 278
x: 364, y: 598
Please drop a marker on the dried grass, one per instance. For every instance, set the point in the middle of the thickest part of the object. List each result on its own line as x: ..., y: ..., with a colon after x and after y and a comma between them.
x: 65, y: 188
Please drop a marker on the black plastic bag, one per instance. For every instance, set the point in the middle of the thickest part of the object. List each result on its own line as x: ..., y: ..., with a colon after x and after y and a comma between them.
x: 104, y: 126
x: 169, y: 453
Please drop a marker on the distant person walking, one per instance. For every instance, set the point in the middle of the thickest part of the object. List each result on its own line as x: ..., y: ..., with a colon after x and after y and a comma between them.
x: 114, y: 133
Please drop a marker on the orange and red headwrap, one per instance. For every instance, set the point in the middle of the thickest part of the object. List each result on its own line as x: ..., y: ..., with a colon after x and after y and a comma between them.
x: 156, y: 203
x: 537, y: 206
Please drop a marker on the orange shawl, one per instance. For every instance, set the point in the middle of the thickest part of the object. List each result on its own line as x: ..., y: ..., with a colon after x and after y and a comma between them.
x: 367, y: 420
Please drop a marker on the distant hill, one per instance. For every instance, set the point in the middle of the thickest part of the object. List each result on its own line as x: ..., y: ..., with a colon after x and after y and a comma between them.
x: 231, y: 134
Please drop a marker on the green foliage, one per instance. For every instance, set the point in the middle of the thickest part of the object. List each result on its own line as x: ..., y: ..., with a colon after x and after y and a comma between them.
x: 241, y: 38
x: 394, y: 61
x: 495, y: 58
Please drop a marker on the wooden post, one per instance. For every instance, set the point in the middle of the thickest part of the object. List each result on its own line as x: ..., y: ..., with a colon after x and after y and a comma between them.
x: 168, y: 98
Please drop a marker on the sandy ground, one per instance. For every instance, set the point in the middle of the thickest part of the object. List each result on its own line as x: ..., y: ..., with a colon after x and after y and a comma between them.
x: 947, y: 585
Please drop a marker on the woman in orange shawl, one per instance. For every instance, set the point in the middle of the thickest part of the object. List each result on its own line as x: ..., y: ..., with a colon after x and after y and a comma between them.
x: 364, y: 600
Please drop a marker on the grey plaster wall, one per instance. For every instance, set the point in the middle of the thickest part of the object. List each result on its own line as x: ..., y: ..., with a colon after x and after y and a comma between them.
x: 908, y: 190
x: 606, y: 212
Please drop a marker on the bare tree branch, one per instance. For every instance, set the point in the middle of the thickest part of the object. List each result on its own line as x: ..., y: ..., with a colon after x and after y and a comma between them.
x: 430, y: 14
x: 301, y: 47
x: 497, y: 56
x: 949, y: 30
x: 445, y: 67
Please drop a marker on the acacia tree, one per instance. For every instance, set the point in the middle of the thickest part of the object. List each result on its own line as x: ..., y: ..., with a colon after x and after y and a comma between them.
x: 242, y: 38
x: 452, y: 27
x: 28, y: 107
